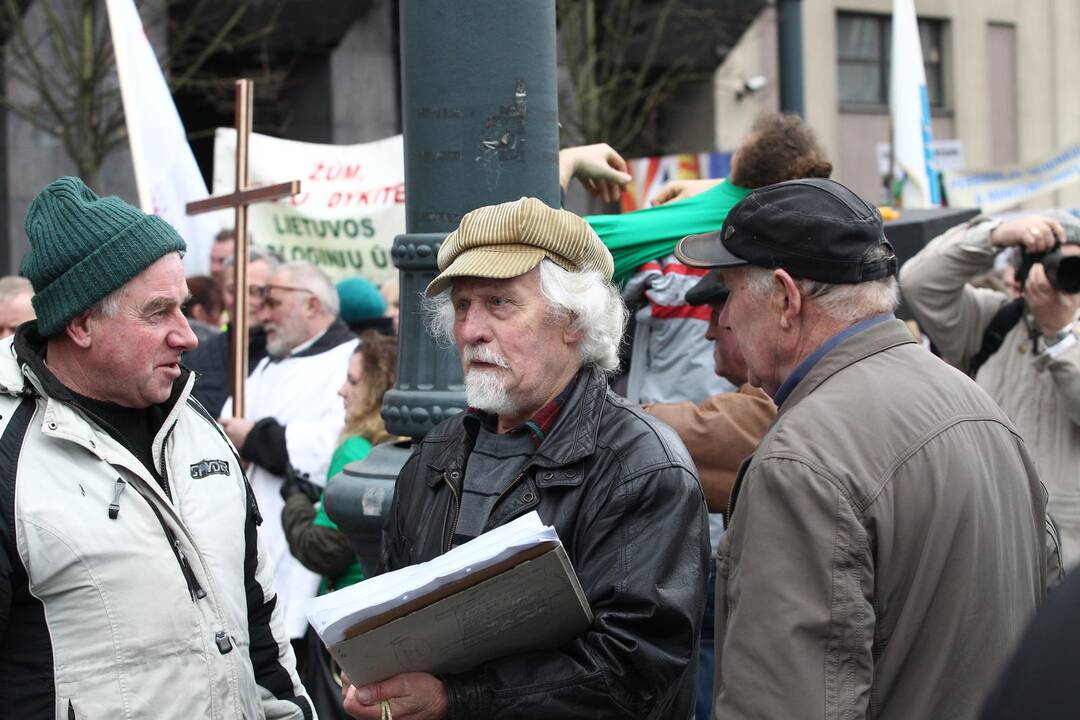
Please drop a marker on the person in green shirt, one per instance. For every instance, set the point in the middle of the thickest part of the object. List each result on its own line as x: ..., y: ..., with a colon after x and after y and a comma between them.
x: 313, y: 537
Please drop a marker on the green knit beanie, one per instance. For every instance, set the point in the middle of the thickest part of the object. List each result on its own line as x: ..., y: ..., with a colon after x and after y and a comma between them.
x: 360, y: 300
x: 82, y: 247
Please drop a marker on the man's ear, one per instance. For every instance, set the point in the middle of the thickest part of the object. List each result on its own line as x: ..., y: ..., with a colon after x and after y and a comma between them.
x: 572, y: 333
x: 790, y: 298
x: 81, y: 329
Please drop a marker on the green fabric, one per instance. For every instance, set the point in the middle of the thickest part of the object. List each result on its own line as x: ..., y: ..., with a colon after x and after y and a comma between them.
x: 350, y: 450
x: 82, y: 247
x: 354, y: 448
x: 635, y: 238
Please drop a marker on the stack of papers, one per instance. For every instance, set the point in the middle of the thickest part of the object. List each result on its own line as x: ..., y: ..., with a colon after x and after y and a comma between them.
x: 510, y: 590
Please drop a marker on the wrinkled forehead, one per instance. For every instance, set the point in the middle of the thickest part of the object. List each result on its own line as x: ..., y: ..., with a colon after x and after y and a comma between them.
x: 527, y: 283
x: 285, y: 277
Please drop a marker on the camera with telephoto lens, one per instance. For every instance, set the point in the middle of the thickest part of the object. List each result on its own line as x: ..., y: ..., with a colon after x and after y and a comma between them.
x: 1063, y: 271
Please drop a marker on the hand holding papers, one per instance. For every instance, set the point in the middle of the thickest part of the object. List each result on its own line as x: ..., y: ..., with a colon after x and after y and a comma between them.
x: 510, y: 590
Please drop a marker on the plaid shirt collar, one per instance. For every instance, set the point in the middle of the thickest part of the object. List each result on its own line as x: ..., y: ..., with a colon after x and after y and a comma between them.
x: 538, y: 425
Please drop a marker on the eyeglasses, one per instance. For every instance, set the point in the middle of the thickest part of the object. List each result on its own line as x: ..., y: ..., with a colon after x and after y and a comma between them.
x: 271, y: 302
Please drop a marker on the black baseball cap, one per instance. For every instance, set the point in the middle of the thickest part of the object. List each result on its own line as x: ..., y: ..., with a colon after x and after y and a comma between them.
x: 709, y: 289
x: 814, y: 228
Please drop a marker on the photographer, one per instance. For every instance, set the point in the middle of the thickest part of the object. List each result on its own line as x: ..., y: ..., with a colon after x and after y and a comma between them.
x: 1032, y: 369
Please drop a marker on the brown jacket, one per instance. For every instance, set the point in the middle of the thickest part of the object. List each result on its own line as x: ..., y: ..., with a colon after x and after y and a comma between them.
x: 885, y: 544
x: 719, y: 433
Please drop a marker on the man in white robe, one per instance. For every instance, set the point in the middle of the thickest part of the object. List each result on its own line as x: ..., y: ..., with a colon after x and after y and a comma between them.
x: 293, y: 415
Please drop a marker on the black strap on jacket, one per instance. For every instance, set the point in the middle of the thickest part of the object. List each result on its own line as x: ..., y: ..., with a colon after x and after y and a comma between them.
x: 1003, y: 321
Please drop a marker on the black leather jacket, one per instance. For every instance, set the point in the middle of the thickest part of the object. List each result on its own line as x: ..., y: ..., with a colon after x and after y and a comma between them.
x: 621, y: 490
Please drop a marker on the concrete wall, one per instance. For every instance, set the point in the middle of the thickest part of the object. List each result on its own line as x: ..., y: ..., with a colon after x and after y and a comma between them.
x: 364, y: 78
x: 754, y: 55
x: 1046, y: 116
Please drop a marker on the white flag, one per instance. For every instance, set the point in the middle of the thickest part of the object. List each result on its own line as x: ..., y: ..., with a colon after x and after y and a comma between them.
x: 909, y: 106
x: 165, y: 169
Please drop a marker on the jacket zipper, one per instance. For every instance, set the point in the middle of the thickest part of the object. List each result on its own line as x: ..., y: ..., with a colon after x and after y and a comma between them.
x: 740, y: 476
x: 164, y: 465
x: 114, y: 506
x: 197, y: 593
x: 194, y: 588
x: 456, y: 507
x: 457, y: 504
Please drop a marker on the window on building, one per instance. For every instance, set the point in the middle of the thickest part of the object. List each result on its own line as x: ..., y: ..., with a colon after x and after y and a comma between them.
x: 862, y: 49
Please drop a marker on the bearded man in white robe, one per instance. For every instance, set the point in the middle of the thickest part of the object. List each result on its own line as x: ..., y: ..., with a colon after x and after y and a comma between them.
x: 293, y: 415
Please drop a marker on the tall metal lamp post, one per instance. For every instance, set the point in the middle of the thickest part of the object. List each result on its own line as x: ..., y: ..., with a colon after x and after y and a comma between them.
x: 480, y: 114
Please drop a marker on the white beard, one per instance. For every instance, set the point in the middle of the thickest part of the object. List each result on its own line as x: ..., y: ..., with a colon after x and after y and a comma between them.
x: 278, y: 347
x: 284, y: 340
x: 486, y: 390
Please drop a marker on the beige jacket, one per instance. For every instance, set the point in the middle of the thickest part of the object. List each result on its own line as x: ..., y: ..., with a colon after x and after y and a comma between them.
x: 885, y: 544
x: 1039, y: 393
x: 719, y: 433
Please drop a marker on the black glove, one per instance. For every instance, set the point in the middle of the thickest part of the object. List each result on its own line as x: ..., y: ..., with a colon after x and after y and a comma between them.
x: 297, y: 482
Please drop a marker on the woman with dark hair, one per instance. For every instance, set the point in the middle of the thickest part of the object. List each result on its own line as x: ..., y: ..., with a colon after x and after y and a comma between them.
x: 204, y: 309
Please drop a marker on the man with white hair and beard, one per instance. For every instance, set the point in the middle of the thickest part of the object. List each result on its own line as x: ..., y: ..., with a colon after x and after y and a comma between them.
x: 293, y: 416
x: 525, y: 294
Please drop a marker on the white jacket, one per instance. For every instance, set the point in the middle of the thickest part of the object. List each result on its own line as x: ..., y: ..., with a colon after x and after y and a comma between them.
x: 116, y: 600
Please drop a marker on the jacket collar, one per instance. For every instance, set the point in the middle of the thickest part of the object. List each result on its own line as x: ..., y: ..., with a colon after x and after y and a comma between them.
x: 63, y: 417
x: 880, y: 337
x: 337, y: 334
x: 571, y: 439
x: 12, y: 380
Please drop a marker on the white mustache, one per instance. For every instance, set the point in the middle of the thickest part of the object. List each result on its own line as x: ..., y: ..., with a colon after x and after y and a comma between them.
x: 484, y: 354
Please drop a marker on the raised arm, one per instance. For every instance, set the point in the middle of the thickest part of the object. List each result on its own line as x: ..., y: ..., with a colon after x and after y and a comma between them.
x: 600, y: 169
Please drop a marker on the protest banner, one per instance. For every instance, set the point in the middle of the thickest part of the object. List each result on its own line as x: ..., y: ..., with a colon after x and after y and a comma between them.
x: 350, y: 209
x: 1004, y: 188
x: 948, y: 155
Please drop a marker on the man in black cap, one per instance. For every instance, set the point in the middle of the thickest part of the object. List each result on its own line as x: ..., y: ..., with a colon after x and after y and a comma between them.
x: 884, y: 543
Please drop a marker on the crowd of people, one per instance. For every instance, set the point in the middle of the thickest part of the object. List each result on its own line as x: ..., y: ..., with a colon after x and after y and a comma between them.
x: 779, y: 499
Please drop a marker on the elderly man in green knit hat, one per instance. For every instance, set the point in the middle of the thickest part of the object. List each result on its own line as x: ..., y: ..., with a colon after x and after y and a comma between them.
x: 132, y: 580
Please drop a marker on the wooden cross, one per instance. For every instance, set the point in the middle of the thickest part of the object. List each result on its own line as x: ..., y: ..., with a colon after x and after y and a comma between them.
x: 239, y: 200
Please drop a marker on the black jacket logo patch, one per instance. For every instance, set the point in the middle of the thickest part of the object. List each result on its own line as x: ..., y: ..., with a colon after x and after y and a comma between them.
x: 206, y: 468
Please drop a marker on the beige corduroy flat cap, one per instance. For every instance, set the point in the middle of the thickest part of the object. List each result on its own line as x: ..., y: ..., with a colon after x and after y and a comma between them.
x: 507, y: 240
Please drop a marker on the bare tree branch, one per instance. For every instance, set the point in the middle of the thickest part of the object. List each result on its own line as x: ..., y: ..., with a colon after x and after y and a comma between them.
x: 67, y: 70
x: 210, y: 48
x: 625, y: 64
